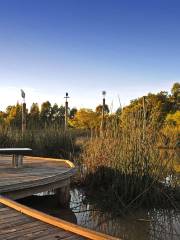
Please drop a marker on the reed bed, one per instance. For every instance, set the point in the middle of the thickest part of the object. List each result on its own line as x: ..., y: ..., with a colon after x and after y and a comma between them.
x: 47, y: 142
x: 127, y: 165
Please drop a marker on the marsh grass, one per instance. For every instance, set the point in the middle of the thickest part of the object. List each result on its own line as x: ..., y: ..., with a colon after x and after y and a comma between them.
x: 127, y: 166
x: 47, y: 142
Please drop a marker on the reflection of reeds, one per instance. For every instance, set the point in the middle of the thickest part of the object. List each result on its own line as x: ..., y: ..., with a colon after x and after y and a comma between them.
x: 126, y: 163
x: 156, y: 223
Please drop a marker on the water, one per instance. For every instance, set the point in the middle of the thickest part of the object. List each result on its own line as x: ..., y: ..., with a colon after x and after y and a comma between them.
x: 142, y: 224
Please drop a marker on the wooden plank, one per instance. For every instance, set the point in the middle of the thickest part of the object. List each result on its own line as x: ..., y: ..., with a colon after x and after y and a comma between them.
x: 15, y: 225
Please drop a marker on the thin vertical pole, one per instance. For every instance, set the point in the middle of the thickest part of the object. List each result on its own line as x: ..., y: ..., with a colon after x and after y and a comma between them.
x: 23, y: 118
x: 103, y: 113
x: 66, y: 112
x: 23, y: 112
x: 144, y: 116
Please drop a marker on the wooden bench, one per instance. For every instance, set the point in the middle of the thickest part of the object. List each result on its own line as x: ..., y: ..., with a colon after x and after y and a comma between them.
x: 17, y: 155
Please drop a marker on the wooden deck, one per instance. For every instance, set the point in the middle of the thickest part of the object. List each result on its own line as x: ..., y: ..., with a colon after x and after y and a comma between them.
x: 15, y: 225
x: 36, y: 175
x: 21, y: 222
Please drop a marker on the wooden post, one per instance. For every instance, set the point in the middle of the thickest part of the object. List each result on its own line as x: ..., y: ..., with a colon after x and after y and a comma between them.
x: 17, y: 160
x: 144, y: 117
x: 23, y: 112
x: 23, y: 118
x: 103, y: 113
x: 63, y: 196
x: 66, y: 112
x: 66, y: 115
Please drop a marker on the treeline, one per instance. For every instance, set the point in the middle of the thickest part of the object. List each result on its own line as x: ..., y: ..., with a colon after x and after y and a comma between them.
x: 37, y: 117
x: 157, y: 109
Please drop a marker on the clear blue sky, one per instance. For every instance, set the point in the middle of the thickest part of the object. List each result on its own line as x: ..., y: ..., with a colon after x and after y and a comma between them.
x: 48, y: 47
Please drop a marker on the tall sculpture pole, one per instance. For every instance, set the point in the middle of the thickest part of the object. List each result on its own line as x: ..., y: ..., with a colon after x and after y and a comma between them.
x: 66, y: 111
x: 23, y: 112
x: 103, y: 111
x: 144, y: 116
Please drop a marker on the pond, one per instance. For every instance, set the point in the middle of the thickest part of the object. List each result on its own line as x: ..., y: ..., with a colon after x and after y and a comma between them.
x: 142, y: 224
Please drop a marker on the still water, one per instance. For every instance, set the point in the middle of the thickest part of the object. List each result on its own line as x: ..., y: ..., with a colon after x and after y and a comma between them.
x: 161, y: 224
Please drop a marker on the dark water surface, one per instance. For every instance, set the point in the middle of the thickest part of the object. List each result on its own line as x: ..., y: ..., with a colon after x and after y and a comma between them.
x: 161, y: 224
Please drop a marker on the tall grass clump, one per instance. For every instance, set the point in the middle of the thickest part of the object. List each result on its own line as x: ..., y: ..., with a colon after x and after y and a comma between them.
x: 48, y: 142
x: 127, y: 163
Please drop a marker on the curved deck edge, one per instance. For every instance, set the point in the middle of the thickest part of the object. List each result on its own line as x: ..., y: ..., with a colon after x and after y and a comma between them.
x: 21, y: 189
x: 65, y: 162
x: 55, y: 221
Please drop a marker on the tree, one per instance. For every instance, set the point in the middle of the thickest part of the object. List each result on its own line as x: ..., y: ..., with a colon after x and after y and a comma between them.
x: 175, y: 97
x: 14, y: 115
x: 85, y: 119
x: 57, y: 114
x: 99, y: 109
x: 73, y: 112
x: 45, y: 114
x: 173, y: 118
x: 2, y: 118
x: 154, y: 111
x: 119, y: 111
x: 34, y: 115
x: 175, y: 90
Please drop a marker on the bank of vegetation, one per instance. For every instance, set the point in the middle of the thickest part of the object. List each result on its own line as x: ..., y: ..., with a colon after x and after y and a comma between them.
x: 132, y: 161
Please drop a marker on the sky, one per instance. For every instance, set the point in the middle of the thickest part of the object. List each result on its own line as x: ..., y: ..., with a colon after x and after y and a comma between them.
x: 50, y: 47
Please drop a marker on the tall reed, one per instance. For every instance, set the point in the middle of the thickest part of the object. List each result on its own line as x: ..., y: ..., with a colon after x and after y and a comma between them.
x: 52, y: 142
x: 126, y: 163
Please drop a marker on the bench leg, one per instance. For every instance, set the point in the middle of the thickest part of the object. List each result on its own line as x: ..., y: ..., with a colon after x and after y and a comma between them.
x: 63, y: 196
x: 17, y: 161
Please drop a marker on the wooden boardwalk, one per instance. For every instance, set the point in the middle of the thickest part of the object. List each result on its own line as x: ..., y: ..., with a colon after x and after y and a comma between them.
x: 15, y: 225
x: 20, y: 222
x: 37, y: 175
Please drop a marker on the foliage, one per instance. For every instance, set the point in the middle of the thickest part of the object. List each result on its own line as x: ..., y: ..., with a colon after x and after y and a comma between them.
x: 85, y: 119
x: 36, y: 118
x: 99, y: 109
x: 176, y: 90
x: 14, y: 115
x: 73, y: 112
x: 173, y: 118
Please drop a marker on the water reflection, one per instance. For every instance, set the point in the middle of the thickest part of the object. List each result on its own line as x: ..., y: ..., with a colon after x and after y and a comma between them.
x: 162, y: 224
